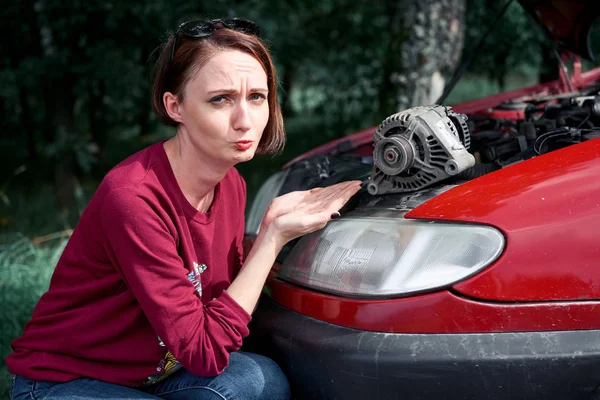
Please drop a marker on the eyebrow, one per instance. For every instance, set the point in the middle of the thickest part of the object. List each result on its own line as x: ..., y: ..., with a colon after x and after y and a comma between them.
x: 228, y: 91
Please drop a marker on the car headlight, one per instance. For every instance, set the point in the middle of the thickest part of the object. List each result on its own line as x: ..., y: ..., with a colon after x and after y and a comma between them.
x: 384, y: 257
x: 267, y: 192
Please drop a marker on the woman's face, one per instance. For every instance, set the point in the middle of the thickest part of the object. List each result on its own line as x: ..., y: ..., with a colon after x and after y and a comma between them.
x: 225, y: 108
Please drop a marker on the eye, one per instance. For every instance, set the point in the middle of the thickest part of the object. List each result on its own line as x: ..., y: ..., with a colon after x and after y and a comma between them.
x: 257, y: 97
x: 218, y: 100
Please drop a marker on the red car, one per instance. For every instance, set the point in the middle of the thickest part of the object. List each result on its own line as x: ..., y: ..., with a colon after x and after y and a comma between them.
x: 469, y: 265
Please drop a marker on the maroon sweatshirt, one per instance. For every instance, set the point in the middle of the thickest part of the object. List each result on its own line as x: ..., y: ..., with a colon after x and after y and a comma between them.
x: 140, y: 288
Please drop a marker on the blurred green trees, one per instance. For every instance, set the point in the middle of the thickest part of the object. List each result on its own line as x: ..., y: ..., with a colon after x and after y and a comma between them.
x: 75, y: 75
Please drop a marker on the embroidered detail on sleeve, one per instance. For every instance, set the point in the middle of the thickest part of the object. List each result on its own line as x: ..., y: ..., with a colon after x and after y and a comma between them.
x: 169, y: 364
x: 166, y: 367
x: 194, y: 276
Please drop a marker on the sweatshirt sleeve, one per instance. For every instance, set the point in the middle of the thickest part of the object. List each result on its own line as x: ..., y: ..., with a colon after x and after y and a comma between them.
x: 139, y: 244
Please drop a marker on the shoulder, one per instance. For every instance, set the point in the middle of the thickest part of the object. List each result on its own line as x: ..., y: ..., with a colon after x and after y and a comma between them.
x: 132, y: 170
x: 136, y: 176
x: 127, y: 213
x: 131, y: 186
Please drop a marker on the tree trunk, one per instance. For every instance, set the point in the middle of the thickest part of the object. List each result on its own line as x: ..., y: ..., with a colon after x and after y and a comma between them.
x: 426, y: 40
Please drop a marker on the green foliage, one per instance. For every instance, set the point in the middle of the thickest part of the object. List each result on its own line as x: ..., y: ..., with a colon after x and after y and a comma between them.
x: 516, y: 45
x: 84, y: 79
x: 75, y: 76
x: 25, y: 271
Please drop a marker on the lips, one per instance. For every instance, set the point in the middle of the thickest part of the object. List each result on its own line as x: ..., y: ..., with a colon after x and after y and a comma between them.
x: 243, y: 144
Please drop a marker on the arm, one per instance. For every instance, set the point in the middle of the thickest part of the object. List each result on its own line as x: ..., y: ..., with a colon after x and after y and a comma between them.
x: 141, y: 247
x: 201, y: 336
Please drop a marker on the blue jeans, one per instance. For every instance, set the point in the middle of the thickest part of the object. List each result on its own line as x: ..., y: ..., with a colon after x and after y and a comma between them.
x: 248, y: 376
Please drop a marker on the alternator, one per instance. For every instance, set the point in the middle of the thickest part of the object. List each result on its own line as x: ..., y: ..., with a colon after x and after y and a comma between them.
x: 418, y: 147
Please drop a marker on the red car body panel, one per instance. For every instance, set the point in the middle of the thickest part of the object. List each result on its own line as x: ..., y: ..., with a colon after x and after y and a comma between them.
x: 549, y: 210
x: 441, y: 312
x: 547, y: 279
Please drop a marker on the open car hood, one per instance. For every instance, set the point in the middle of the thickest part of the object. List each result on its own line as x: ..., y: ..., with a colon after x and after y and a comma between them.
x: 568, y: 22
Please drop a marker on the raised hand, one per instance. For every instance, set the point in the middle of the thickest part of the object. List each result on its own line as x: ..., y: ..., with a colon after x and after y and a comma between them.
x: 298, y: 213
x: 288, y: 217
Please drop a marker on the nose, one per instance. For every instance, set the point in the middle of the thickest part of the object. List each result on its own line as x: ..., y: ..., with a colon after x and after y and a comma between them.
x: 241, y: 117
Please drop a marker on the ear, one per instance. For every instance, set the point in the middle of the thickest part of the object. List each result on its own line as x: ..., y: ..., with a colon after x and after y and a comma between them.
x: 172, y: 107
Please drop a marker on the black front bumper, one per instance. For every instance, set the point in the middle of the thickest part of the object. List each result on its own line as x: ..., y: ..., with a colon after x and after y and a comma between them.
x: 325, y: 361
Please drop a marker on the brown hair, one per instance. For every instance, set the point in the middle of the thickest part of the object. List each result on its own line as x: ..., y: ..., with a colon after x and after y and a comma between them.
x: 192, y: 53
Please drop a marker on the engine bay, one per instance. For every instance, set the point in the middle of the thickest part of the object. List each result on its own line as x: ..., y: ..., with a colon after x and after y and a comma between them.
x: 413, y: 151
x: 517, y: 131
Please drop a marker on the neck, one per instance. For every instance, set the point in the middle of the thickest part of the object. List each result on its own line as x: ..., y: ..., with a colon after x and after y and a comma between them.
x: 196, y: 175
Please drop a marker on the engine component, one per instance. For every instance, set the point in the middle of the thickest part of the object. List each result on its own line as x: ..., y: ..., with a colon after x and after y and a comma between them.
x: 418, y: 147
x: 509, y: 110
x: 548, y: 123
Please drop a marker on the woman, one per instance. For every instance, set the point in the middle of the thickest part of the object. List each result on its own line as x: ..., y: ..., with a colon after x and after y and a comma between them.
x: 151, y: 297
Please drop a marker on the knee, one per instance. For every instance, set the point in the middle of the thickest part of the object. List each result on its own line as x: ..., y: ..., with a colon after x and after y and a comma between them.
x: 261, y: 377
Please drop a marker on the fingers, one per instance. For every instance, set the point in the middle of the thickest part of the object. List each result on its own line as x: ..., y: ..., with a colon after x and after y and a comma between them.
x: 338, y: 187
x: 338, y: 190
x: 315, y: 201
x: 343, y: 197
x: 328, y: 200
x: 304, y: 212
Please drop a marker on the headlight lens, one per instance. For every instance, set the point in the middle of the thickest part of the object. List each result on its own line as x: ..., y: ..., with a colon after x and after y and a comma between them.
x: 390, y: 256
x: 267, y: 192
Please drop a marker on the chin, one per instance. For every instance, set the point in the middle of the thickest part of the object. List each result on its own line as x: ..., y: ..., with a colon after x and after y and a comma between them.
x: 244, y: 156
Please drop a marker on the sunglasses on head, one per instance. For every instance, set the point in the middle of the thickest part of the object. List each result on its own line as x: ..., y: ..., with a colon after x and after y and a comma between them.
x: 203, y: 28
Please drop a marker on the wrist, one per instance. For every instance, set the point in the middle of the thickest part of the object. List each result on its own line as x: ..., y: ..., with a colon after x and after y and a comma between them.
x: 267, y: 220
x: 270, y: 235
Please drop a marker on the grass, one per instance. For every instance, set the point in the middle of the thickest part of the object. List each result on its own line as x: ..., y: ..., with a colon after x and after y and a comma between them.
x: 34, y: 230
x: 25, y: 270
